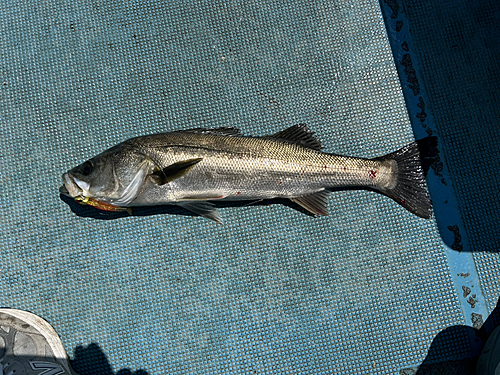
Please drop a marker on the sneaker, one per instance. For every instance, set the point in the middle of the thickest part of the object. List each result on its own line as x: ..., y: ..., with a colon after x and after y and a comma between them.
x: 30, y: 346
x: 489, y: 360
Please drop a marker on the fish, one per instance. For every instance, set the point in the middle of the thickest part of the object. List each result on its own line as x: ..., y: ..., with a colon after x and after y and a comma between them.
x: 196, y: 168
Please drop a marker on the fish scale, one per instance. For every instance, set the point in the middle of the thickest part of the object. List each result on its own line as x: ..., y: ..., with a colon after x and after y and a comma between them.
x: 190, y: 168
x: 261, y: 167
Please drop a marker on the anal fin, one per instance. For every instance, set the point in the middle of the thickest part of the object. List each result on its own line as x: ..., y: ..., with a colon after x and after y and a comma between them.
x: 205, y: 209
x: 315, y: 203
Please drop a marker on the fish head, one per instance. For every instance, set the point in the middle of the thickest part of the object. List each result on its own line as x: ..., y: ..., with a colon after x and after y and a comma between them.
x: 115, y: 176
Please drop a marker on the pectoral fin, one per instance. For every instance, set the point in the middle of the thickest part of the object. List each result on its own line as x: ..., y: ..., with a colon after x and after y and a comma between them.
x: 205, y: 209
x: 316, y: 203
x: 174, y: 171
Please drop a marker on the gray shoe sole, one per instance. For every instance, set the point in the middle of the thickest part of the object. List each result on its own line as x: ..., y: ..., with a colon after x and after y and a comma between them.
x: 489, y: 360
x: 29, y: 345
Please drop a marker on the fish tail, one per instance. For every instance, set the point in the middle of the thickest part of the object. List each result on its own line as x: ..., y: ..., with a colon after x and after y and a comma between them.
x: 410, y: 189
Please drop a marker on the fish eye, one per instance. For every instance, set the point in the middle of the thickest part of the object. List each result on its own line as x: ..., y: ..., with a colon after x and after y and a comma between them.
x: 87, y: 168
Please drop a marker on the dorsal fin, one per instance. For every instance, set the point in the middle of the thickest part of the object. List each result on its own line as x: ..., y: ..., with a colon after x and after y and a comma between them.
x: 214, y: 131
x: 300, y: 134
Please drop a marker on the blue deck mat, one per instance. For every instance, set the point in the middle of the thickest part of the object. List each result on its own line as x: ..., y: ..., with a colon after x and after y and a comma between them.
x: 364, y: 290
x: 445, y: 55
x: 459, y: 48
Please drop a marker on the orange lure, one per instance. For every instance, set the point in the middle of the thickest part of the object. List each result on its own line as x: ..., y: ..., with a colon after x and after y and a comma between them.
x: 101, y: 205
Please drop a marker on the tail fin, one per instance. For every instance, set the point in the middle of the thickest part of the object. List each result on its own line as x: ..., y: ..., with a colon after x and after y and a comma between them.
x: 411, y: 190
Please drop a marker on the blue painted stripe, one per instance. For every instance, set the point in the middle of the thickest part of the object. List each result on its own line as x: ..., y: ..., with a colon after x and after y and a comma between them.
x: 451, y: 228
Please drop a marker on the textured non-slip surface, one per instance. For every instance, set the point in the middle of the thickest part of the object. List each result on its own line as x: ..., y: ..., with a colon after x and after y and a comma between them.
x: 458, y: 44
x: 459, y: 47
x: 364, y: 290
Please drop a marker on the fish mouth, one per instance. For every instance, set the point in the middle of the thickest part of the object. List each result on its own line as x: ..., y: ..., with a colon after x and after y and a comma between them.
x: 73, y: 187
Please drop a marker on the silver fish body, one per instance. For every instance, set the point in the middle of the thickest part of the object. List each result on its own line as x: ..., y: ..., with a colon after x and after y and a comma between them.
x: 192, y: 167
